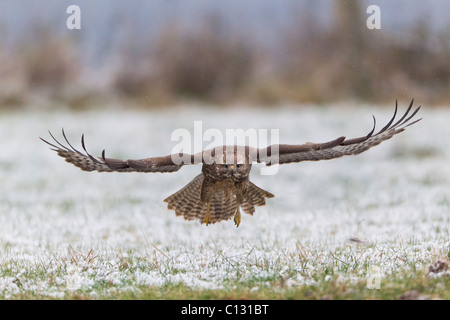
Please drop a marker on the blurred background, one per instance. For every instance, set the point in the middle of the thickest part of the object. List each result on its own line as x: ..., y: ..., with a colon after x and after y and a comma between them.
x: 168, y: 52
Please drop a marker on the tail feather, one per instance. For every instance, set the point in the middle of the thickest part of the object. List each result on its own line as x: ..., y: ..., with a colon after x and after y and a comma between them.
x: 223, y: 204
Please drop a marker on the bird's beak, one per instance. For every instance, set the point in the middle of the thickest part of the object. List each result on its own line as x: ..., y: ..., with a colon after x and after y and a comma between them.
x: 232, y: 168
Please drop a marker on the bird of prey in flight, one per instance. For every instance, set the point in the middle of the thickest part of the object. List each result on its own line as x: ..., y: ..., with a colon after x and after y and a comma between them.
x: 223, y: 187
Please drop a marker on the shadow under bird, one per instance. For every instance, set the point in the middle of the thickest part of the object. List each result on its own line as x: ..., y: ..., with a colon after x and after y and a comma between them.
x: 223, y: 187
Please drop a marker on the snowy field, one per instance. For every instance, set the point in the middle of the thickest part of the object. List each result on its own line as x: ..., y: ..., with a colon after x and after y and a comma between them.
x: 371, y: 217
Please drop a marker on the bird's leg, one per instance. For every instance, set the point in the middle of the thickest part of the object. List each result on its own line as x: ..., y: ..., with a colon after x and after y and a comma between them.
x: 208, y: 214
x: 237, y: 216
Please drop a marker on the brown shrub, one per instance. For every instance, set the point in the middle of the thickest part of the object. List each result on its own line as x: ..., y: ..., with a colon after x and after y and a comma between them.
x: 204, y: 64
x: 50, y: 62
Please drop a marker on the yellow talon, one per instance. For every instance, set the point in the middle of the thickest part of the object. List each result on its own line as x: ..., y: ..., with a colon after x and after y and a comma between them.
x: 237, y: 217
x: 208, y: 216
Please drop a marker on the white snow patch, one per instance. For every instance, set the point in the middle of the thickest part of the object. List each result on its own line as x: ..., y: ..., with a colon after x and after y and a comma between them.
x: 63, y: 230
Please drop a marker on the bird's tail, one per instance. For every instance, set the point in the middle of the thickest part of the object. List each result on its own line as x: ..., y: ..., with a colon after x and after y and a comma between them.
x: 222, y: 206
x: 187, y: 202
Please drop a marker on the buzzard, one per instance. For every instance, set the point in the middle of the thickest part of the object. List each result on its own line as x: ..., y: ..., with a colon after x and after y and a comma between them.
x: 223, y: 187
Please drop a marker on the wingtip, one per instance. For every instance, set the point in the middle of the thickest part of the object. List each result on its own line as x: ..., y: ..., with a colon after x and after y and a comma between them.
x: 82, y: 142
x: 54, y: 147
x: 42, y: 139
x: 373, y: 128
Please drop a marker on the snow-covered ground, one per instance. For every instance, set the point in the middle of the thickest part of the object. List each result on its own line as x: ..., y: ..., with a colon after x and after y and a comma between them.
x: 62, y: 229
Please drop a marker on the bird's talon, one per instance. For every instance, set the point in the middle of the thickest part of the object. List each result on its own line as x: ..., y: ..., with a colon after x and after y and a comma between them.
x: 237, y: 218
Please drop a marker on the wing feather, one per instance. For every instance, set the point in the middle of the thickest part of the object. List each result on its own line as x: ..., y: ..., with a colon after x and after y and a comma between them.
x: 338, y: 147
x: 87, y: 162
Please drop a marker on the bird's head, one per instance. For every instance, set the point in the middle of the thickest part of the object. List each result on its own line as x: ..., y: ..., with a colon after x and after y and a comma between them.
x: 235, y: 171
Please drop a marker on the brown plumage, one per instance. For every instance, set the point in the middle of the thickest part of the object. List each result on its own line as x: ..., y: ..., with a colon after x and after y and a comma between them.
x: 224, y: 187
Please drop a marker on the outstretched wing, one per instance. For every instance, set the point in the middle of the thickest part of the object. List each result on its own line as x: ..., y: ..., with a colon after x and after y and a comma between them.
x: 87, y: 162
x: 283, y: 153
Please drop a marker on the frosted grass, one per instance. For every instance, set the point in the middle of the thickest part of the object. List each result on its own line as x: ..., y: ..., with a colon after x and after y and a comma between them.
x: 63, y: 230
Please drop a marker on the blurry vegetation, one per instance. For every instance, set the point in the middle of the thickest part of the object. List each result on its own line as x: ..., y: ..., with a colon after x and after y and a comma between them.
x: 209, y: 63
x: 350, y: 61
x: 43, y: 68
x: 49, y: 63
x: 206, y: 64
